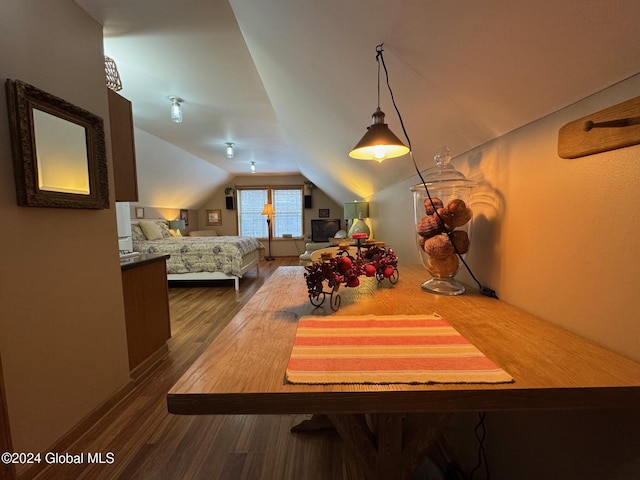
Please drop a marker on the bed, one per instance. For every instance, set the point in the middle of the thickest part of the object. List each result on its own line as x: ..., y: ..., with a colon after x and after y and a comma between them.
x: 197, y: 258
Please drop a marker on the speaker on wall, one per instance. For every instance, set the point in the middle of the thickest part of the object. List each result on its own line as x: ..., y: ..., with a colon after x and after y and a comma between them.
x: 307, y: 201
x: 230, y: 203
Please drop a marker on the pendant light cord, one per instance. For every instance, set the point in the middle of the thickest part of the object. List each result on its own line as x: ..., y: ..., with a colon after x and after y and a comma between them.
x: 380, y: 59
x: 378, y: 56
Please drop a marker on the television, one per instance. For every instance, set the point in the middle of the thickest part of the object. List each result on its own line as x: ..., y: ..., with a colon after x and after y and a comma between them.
x: 323, y: 229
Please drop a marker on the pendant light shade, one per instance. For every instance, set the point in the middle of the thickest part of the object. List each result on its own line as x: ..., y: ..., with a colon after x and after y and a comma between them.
x: 379, y: 143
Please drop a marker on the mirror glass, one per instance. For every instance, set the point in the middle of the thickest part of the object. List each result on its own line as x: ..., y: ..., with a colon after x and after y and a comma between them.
x: 61, y: 154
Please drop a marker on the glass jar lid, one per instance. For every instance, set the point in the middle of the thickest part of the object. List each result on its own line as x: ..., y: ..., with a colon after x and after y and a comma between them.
x: 443, y: 174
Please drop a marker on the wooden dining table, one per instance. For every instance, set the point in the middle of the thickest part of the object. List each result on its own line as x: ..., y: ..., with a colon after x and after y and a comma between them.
x: 391, y: 427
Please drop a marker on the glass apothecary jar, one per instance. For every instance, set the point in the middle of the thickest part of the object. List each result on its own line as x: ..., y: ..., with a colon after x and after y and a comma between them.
x: 443, y: 223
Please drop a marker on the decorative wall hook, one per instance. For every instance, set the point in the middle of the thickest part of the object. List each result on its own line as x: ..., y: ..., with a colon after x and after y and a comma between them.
x: 622, y: 122
x: 609, y: 129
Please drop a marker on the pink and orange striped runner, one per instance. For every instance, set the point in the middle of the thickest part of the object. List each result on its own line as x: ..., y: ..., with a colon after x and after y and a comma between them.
x: 386, y: 349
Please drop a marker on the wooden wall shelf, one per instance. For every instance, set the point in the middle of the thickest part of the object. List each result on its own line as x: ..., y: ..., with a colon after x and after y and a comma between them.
x: 609, y: 129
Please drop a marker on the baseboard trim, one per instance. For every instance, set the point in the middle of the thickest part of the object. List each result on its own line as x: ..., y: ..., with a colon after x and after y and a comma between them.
x: 64, y: 443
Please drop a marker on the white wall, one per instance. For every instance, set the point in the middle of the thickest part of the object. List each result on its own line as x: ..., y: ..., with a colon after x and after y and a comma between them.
x: 62, y: 331
x: 169, y: 177
x: 561, y: 239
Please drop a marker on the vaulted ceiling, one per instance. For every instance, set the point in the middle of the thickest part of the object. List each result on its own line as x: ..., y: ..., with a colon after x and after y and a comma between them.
x: 293, y: 83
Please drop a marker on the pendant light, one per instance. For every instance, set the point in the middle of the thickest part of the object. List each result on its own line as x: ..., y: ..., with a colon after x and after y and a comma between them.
x: 230, y: 153
x: 379, y: 143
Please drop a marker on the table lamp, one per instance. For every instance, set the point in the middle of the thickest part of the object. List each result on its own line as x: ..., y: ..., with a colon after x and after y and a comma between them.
x: 176, y: 225
x: 357, y: 212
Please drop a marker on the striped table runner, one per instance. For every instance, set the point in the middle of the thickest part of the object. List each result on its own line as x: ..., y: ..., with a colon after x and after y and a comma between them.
x: 386, y: 349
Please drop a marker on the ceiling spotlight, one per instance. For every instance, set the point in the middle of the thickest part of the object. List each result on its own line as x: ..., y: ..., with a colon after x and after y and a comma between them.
x: 253, y: 167
x: 176, y: 109
x: 229, y: 150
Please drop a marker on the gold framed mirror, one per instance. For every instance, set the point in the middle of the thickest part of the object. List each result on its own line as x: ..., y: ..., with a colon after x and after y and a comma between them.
x: 59, y: 154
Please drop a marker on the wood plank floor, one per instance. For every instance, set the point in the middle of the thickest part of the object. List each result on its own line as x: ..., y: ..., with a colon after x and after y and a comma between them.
x: 149, y: 443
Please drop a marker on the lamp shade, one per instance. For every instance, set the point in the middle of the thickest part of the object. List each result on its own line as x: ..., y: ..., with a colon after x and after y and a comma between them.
x: 176, y: 224
x: 379, y: 143
x: 354, y: 210
x: 268, y: 209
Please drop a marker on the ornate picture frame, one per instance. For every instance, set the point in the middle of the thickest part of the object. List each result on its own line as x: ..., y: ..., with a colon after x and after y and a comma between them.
x: 214, y: 217
x: 184, y: 215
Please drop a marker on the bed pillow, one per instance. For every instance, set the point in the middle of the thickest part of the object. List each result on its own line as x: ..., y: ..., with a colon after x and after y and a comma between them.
x: 151, y: 230
x: 137, y: 235
x: 164, y: 228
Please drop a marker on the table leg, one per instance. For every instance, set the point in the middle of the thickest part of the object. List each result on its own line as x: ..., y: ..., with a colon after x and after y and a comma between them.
x: 388, y: 431
x: 394, y: 445
x: 316, y: 423
x: 360, y: 440
x: 421, y: 433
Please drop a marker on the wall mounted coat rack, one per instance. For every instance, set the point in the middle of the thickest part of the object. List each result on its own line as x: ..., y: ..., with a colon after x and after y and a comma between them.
x: 609, y: 129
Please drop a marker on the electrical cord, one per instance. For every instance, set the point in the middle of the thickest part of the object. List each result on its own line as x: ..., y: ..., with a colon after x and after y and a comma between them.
x: 481, y: 433
x: 380, y: 59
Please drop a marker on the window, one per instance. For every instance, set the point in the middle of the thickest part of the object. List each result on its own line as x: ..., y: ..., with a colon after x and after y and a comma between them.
x: 250, y: 221
x: 287, y: 203
x: 288, y: 207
